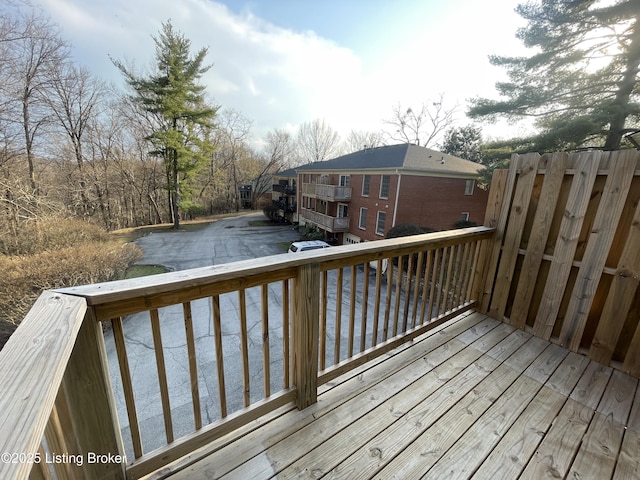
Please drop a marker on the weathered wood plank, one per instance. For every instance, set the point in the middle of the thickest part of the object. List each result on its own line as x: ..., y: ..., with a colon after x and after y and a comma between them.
x: 266, y: 363
x: 595, y: 255
x: 516, y: 447
x: 478, y: 441
x: 162, y: 374
x: 557, y: 164
x: 127, y: 385
x: 628, y: 464
x: 492, y: 253
x: 217, y: 336
x: 527, y: 169
x: 621, y: 294
x: 554, y: 456
x: 244, y: 347
x: 35, y: 352
x: 305, y: 335
x: 436, y: 440
x: 341, y: 392
x: 193, y: 364
x: 367, y: 413
x: 599, y: 450
x: 566, y: 243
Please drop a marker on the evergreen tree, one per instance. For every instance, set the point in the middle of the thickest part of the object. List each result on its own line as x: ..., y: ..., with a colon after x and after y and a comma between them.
x: 182, y: 118
x: 463, y: 142
x: 581, y: 82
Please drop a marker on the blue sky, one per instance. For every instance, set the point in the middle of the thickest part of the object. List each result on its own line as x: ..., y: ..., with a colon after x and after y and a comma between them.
x: 284, y: 62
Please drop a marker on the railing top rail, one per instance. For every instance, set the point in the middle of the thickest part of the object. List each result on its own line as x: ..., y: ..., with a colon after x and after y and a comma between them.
x: 32, y: 365
x: 231, y: 276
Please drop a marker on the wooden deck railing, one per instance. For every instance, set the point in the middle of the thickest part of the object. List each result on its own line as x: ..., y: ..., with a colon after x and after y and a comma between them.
x: 298, y: 321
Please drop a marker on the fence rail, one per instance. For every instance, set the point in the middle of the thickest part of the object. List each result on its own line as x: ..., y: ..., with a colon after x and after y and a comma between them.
x: 301, y: 321
x: 565, y: 260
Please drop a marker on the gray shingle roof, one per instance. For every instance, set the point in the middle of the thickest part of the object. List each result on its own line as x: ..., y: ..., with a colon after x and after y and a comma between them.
x: 402, y: 157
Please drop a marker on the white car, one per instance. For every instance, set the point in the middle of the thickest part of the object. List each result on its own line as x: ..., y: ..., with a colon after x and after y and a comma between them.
x: 297, y: 247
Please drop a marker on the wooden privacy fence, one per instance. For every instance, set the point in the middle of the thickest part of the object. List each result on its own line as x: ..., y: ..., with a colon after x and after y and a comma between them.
x: 565, y: 259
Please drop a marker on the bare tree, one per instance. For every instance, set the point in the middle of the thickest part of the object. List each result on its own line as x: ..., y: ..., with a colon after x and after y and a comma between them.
x: 35, y: 53
x: 317, y: 141
x: 361, y: 139
x: 421, y: 126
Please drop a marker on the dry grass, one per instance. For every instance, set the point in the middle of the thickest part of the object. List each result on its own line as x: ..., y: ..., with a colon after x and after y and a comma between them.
x: 54, y: 255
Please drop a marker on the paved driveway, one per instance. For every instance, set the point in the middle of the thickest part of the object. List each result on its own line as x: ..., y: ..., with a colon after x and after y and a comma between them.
x: 224, y: 241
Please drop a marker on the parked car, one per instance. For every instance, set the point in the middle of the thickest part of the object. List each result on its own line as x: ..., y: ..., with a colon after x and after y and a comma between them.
x: 297, y: 247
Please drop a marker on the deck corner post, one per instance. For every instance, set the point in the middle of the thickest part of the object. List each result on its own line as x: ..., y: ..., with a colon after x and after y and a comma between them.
x: 91, y: 405
x: 305, y: 332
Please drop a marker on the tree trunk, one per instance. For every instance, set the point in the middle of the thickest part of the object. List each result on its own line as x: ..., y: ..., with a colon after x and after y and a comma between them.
x: 176, y: 191
x: 625, y: 88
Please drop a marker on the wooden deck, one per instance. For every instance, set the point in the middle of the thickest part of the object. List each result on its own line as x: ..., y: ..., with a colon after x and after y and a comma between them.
x: 474, y: 398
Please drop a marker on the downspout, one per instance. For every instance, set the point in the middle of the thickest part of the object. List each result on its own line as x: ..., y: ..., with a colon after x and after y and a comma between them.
x: 395, y: 207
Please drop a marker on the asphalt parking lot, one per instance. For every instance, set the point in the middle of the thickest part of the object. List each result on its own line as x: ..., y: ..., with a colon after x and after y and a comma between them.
x: 224, y: 241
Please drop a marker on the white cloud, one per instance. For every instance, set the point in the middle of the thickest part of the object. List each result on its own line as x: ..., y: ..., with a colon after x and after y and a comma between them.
x: 279, y: 78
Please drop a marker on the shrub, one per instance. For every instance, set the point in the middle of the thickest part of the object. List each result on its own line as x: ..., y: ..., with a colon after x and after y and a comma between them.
x: 404, y: 230
x: 465, y: 224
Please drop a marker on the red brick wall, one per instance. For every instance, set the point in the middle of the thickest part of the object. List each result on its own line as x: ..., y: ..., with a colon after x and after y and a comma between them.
x: 438, y: 202
x: 424, y: 201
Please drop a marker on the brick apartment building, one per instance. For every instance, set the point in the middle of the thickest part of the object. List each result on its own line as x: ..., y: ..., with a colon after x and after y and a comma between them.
x: 360, y: 196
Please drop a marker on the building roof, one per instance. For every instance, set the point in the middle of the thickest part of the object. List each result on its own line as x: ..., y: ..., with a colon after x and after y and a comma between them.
x: 406, y: 157
x: 290, y: 172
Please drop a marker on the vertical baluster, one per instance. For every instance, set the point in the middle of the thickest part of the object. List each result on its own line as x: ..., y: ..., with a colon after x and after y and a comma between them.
x: 244, y: 342
x: 266, y: 370
x: 451, y: 277
x: 396, y: 305
x: 443, y: 268
x: 477, y: 252
x: 162, y: 374
x: 425, y: 288
x: 217, y: 336
x: 365, y: 306
x: 285, y: 334
x: 323, y: 321
x: 125, y: 374
x: 407, y: 293
x: 434, y: 281
x: 387, y: 307
x: 56, y: 443
x: 463, y: 275
x: 193, y: 366
x: 40, y: 470
x: 338, y: 329
x: 352, y: 310
x: 416, y: 288
x: 376, y: 306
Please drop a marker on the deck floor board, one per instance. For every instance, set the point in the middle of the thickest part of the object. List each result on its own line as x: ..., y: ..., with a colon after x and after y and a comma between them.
x: 474, y: 399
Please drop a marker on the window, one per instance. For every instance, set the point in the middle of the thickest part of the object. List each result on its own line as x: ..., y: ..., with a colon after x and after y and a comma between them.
x: 468, y: 188
x: 366, y: 183
x: 384, y: 186
x: 464, y: 217
x: 363, y: 219
x: 380, y: 221
x: 342, y: 210
x: 344, y: 180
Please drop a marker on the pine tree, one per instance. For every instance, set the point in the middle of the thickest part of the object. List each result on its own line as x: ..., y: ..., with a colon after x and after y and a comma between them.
x: 176, y: 102
x: 581, y: 82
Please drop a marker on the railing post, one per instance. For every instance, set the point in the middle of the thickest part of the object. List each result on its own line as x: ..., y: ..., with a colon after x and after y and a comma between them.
x: 92, y: 411
x: 305, y: 334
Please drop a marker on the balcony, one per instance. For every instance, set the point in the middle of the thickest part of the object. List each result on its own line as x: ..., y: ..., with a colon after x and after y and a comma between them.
x: 286, y: 189
x: 329, y: 193
x: 284, y: 206
x: 505, y: 351
x: 326, y: 222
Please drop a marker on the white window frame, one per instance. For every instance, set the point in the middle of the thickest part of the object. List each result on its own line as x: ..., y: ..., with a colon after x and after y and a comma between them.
x: 464, y: 217
x: 367, y: 183
x: 388, y: 186
x: 341, y: 213
x: 378, y: 232
x: 363, y: 225
x: 469, y: 186
x: 345, y: 180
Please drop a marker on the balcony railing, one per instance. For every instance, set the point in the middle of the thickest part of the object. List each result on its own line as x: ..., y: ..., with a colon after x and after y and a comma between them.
x: 326, y: 222
x: 58, y: 391
x: 330, y: 193
x: 286, y: 189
